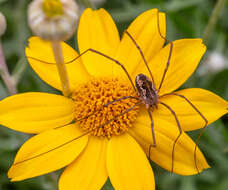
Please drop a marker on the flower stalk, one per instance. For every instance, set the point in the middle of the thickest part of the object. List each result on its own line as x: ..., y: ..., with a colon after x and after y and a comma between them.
x: 57, y: 50
x: 4, y: 73
x: 213, y: 19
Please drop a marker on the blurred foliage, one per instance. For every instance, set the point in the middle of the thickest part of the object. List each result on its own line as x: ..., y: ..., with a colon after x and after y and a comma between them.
x: 185, y: 19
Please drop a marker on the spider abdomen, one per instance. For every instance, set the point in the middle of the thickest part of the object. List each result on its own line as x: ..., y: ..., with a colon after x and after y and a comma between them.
x: 146, y: 90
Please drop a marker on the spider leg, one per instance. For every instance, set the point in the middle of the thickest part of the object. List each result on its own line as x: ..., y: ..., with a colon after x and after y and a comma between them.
x: 201, y: 115
x: 141, y: 53
x: 143, y: 57
x: 179, y: 128
x: 99, y: 53
x: 105, y: 105
x: 76, y: 138
x: 120, y: 99
x: 152, y: 131
x: 167, y: 66
x: 158, y: 26
x: 170, y: 52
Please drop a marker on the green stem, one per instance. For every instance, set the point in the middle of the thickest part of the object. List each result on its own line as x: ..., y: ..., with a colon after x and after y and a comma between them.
x: 4, y: 73
x: 213, y: 19
x: 57, y: 50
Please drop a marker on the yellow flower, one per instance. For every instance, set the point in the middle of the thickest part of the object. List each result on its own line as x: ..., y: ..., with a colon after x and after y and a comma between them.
x: 117, y: 148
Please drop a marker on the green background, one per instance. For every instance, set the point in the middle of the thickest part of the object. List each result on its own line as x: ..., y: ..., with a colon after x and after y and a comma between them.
x: 185, y: 19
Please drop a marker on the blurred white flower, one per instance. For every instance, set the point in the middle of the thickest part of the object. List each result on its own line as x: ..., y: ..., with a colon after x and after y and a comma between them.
x: 215, y: 62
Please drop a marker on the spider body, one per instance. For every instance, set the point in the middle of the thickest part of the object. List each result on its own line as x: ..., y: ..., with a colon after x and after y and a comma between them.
x: 146, y: 90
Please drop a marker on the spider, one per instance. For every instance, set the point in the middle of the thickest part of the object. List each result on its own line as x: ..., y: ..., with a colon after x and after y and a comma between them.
x: 148, y: 95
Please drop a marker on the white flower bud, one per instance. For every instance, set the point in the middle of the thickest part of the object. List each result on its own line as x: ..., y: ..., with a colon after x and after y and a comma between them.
x: 2, y: 24
x: 53, y: 20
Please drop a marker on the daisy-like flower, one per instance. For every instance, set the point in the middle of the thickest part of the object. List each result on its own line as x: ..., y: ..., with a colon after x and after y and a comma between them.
x: 98, y: 146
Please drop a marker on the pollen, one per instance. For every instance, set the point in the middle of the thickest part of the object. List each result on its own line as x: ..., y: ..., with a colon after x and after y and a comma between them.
x: 97, y: 110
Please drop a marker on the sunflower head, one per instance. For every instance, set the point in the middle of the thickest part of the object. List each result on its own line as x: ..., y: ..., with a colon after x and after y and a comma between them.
x: 103, y: 115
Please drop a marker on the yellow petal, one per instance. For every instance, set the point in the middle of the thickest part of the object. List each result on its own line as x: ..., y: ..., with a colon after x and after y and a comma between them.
x: 47, y: 152
x: 88, y: 171
x: 127, y: 165
x: 35, y: 112
x: 144, y: 30
x: 40, y: 56
x: 165, y: 135
x: 211, y: 106
x: 185, y: 57
x: 97, y: 30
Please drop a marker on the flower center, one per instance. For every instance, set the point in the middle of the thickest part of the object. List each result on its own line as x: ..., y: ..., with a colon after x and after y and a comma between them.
x: 102, y: 117
x: 52, y: 8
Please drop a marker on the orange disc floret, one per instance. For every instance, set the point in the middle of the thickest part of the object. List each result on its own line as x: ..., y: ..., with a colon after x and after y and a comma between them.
x: 98, y: 118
